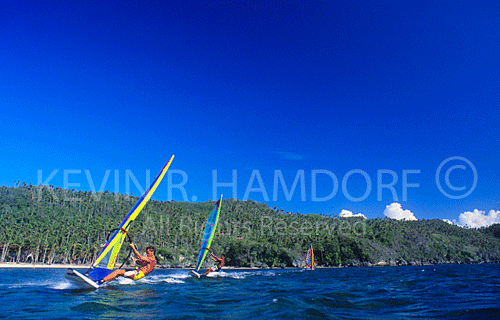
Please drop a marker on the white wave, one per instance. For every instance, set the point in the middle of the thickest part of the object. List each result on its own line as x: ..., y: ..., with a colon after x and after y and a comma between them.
x: 125, y: 281
x: 173, y: 281
x: 21, y: 285
x: 179, y: 275
x: 164, y: 278
x: 233, y: 275
x: 62, y: 285
x: 241, y: 274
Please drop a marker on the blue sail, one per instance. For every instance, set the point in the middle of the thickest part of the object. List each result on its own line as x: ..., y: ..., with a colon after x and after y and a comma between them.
x: 209, y: 232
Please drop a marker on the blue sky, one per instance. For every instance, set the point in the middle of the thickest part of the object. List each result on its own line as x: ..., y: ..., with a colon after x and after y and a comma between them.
x: 269, y: 89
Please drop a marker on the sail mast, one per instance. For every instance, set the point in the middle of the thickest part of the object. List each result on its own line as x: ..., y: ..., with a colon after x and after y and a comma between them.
x: 105, y: 261
x: 209, y: 232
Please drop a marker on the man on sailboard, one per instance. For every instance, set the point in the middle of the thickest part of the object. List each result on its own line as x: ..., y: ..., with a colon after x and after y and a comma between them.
x: 147, y: 264
x: 221, y: 261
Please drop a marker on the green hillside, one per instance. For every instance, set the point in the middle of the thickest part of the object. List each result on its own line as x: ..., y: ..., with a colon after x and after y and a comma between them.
x: 51, y: 225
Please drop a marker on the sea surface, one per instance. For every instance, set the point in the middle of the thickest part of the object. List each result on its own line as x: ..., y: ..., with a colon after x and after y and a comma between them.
x: 405, y: 292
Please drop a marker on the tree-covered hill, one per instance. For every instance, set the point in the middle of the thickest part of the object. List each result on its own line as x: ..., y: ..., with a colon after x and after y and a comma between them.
x: 49, y: 225
x: 493, y: 230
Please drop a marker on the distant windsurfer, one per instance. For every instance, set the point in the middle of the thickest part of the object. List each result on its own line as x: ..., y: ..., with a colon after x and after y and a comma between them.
x: 147, y: 264
x: 220, y: 263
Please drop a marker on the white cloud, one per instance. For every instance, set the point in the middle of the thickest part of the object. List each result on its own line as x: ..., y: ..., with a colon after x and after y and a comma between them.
x: 395, y: 211
x: 349, y: 214
x: 448, y: 221
x: 478, y: 219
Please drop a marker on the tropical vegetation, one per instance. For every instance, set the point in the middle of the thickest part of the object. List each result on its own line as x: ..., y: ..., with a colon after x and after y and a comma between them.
x: 49, y: 225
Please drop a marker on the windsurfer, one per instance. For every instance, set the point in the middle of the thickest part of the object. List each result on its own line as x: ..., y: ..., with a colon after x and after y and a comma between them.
x: 147, y: 264
x: 220, y: 263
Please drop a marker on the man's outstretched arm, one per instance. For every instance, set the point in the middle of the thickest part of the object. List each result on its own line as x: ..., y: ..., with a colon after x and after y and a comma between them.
x: 139, y: 256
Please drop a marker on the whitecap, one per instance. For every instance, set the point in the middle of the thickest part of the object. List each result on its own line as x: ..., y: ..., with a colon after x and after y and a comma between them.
x: 124, y: 281
x: 164, y: 278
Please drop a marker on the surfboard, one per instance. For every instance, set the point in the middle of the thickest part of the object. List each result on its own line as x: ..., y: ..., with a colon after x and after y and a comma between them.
x: 195, y: 274
x: 79, y: 280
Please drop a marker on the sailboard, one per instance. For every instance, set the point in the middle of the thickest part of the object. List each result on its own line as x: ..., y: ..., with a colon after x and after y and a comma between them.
x: 208, y: 236
x: 80, y: 280
x: 105, y: 261
x: 310, y: 258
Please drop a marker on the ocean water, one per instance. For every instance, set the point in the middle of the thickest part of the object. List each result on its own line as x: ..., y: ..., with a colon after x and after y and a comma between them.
x: 409, y: 292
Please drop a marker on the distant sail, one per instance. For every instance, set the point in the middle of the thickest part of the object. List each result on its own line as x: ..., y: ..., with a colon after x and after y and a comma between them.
x: 106, y: 259
x: 209, y: 232
x: 310, y: 258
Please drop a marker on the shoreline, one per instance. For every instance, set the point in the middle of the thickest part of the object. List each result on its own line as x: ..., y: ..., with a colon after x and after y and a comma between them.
x: 21, y: 265
x: 15, y: 265
x: 41, y: 266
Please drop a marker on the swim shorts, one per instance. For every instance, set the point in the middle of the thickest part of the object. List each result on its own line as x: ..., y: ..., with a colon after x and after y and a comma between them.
x: 134, y: 274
